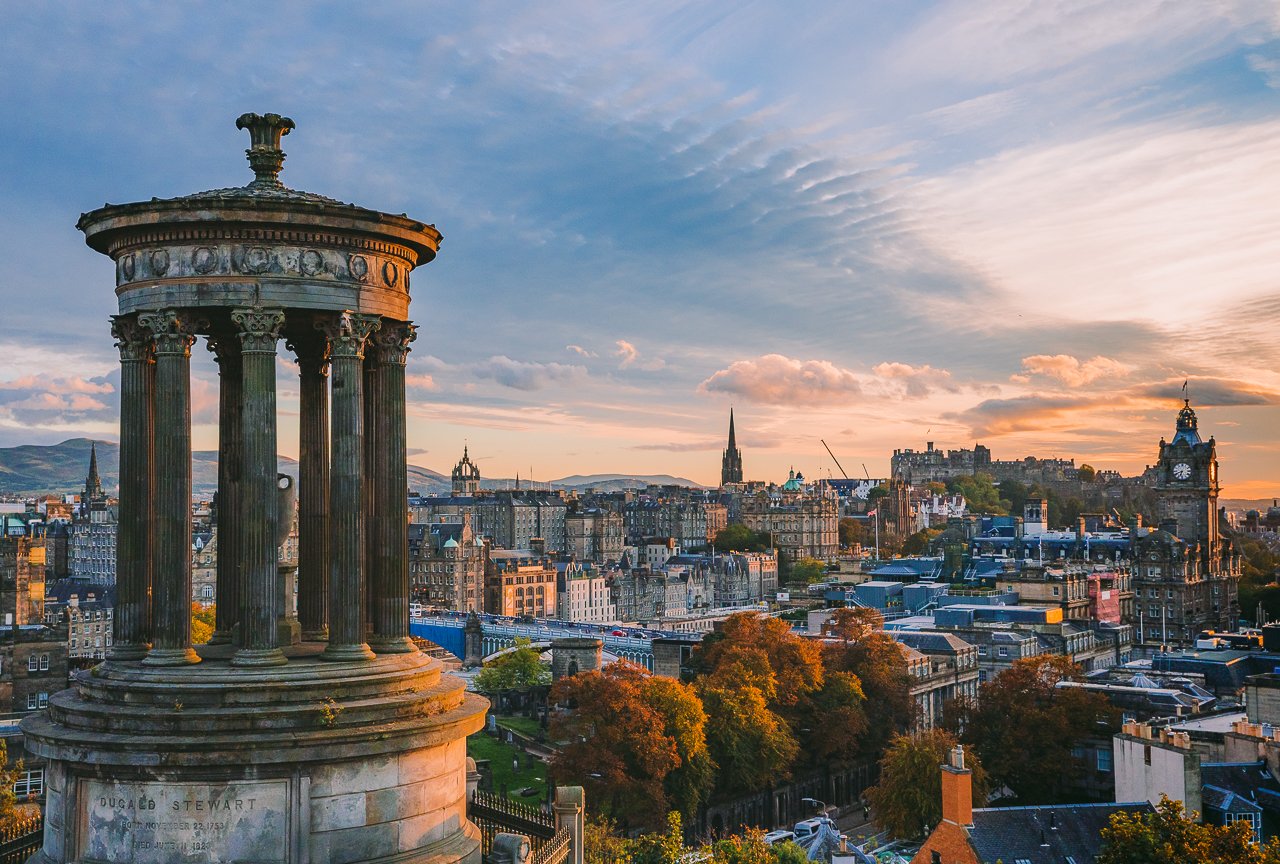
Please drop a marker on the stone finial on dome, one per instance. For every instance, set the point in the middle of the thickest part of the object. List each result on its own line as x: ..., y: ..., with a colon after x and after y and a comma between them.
x: 265, y: 156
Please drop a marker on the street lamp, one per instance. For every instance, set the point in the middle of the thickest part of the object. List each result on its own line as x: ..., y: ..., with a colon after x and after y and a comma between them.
x: 820, y: 806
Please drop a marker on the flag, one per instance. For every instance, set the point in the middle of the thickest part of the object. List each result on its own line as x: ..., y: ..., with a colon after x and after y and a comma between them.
x: 871, y: 513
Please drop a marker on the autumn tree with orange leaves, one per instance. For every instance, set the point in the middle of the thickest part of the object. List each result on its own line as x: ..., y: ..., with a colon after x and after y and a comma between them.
x: 636, y: 742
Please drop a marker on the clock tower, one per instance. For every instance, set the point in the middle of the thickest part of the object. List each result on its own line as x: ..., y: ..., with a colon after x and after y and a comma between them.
x: 1187, y: 485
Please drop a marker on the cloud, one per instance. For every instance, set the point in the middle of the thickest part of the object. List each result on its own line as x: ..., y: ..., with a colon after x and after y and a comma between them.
x: 580, y: 351
x: 37, y: 401
x: 629, y: 355
x: 519, y: 375
x: 1212, y: 392
x: 917, y: 381
x: 626, y: 353
x: 778, y: 380
x: 1070, y: 370
x: 420, y: 382
x: 1020, y: 413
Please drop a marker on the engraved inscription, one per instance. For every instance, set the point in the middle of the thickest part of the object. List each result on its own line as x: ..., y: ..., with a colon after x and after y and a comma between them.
x: 165, y: 823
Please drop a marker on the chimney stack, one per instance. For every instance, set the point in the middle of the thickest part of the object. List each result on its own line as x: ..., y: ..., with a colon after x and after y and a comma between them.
x: 957, y: 790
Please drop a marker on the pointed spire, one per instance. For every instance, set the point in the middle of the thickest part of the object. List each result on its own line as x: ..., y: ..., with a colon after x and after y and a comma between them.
x: 732, y: 442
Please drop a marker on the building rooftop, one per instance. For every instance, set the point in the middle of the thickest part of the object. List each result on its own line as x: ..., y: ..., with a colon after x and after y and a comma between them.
x: 1044, y: 835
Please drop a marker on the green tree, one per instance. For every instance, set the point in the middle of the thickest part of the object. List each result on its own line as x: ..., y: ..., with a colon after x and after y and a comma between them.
x: 1168, y: 834
x: 665, y: 848
x: 918, y: 543
x: 520, y: 669
x: 807, y: 571
x: 852, y: 532
x: 601, y: 843
x: 980, y: 492
x: 908, y: 799
x: 1023, y: 726
x: 739, y: 538
x: 685, y: 723
x: 876, y: 493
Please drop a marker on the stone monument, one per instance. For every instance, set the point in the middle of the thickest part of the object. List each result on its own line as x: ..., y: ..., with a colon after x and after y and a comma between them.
x: 350, y: 745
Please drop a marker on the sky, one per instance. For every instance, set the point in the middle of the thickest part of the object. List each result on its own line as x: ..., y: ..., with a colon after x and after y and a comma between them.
x: 1021, y: 224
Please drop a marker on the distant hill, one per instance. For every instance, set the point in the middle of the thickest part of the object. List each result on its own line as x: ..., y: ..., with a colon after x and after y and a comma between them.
x: 60, y: 469
x: 1259, y: 504
x: 57, y: 468
x: 617, y: 482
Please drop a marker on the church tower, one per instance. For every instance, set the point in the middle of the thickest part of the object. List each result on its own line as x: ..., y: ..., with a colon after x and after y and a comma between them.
x: 466, y: 476
x: 731, y: 463
x: 1187, y: 485
x: 93, y: 498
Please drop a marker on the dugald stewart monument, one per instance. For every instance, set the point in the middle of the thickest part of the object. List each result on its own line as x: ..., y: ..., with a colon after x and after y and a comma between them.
x: 325, y: 738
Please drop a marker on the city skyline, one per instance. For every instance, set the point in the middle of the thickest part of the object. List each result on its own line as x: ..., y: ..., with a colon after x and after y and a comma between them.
x: 1024, y: 228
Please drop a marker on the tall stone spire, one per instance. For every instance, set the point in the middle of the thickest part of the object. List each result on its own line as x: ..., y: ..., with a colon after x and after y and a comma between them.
x: 731, y: 463
x: 92, y: 482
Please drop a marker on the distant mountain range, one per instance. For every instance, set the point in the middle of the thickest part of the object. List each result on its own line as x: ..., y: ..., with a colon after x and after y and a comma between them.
x: 61, y: 468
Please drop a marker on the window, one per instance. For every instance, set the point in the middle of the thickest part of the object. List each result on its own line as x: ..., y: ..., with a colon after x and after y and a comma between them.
x: 44, y: 662
x: 33, y: 663
x: 1003, y: 651
x: 206, y: 591
x: 31, y: 783
x: 43, y: 701
x: 31, y: 701
x: 1104, y: 760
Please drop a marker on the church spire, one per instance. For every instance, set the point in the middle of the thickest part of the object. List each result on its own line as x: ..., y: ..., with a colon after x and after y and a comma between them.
x: 731, y: 463
x: 93, y: 494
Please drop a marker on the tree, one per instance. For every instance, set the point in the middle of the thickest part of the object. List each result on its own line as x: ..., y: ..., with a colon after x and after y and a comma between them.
x: 878, y: 662
x: 832, y: 721
x: 633, y: 741
x: 751, y: 744
x: 520, y: 669
x: 876, y: 493
x: 908, y: 799
x: 851, y: 532
x: 1087, y: 473
x: 685, y: 723
x: 918, y: 543
x: 980, y: 493
x: 763, y: 651
x: 10, y: 813
x: 1169, y: 835
x: 739, y: 538
x: 1024, y: 726
x: 202, y: 623
x: 601, y: 843
x: 665, y: 848
x: 807, y: 571
x: 750, y: 848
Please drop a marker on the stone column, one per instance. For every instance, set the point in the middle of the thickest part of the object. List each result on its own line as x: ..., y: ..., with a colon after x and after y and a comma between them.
x: 347, y: 335
x: 371, y: 429
x: 313, y: 486
x: 173, y: 333
x: 131, y: 625
x: 571, y: 813
x: 390, y: 536
x: 260, y: 599
x: 230, y: 576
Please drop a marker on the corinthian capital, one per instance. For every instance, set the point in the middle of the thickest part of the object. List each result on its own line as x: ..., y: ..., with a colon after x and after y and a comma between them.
x: 391, y: 342
x: 133, y: 341
x: 172, y: 331
x: 348, y: 333
x: 258, y: 328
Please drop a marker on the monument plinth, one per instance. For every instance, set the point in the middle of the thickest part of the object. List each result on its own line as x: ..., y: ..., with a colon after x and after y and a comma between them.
x: 345, y: 746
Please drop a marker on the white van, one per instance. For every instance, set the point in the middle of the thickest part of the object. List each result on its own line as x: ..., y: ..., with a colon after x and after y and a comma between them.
x: 782, y: 835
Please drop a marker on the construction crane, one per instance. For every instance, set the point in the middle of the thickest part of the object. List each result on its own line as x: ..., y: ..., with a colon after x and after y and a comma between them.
x: 834, y: 459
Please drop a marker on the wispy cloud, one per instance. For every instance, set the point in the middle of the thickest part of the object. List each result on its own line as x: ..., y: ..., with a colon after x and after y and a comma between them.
x: 778, y: 380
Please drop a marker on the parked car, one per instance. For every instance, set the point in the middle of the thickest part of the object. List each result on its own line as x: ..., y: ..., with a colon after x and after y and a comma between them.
x: 782, y: 835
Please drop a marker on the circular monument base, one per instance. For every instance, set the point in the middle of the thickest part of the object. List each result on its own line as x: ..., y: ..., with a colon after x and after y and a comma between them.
x: 315, y: 762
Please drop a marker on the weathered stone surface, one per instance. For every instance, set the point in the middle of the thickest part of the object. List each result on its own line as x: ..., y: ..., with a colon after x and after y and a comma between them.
x: 157, y: 823
x: 365, y: 775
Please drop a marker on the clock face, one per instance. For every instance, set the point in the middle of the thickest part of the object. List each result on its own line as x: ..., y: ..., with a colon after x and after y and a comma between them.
x: 1182, y: 470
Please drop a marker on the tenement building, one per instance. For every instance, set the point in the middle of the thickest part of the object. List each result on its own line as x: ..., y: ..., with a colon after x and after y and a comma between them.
x: 447, y: 565
x: 333, y: 741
